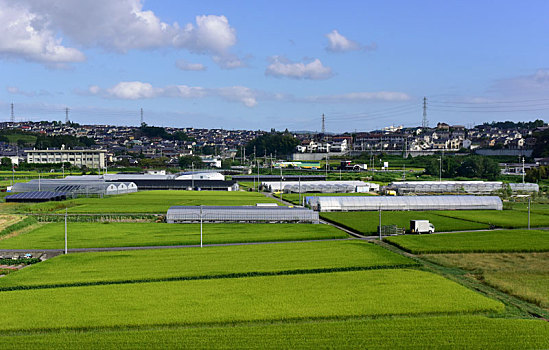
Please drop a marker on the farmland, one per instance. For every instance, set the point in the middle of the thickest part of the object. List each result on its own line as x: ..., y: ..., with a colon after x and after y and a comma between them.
x: 459, y: 332
x: 149, y: 202
x: 128, y: 266
x: 497, y: 218
x: 404, y: 291
x: 525, y: 275
x: 126, y: 234
x: 366, y: 222
x: 480, y: 241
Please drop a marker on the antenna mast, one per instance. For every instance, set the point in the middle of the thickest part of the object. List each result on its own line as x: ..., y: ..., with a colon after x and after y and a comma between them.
x: 424, y: 122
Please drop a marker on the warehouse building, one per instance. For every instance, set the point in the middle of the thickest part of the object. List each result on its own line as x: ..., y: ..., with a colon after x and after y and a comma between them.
x: 370, y: 203
x: 189, y: 214
x: 265, y: 178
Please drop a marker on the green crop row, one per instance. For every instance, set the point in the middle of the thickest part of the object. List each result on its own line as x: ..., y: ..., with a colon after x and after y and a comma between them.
x: 475, y: 242
x: 289, y: 297
x: 366, y: 222
x: 208, y: 262
x: 448, y: 332
x: 25, y: 261
x: 124, y: 234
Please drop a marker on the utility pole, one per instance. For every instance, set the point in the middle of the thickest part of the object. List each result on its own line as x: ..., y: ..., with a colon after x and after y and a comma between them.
x: 66, y: 211
x: 529, y: 203
x: 200, y: 226
x: 66, y: 115
x: 424, y: 122
x: 141, y: 117
x: 440, y: 170
x: 12, y: 115
x: 523, y: 173
x: 323, y: 124
x: 379, y: 223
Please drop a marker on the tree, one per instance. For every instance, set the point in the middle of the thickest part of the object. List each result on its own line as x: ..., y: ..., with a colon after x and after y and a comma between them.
x: 277, y: 142
x: 187, y: 162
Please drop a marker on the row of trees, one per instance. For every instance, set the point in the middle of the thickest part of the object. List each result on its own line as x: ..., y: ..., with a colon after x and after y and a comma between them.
x: 472, y: 166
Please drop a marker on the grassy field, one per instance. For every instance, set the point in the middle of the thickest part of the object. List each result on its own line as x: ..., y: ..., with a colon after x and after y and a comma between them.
x: 505, y: 219
x: 449, y: 332
x: 150, y: 202
x: 308, y: 296
x: 86, y: 268
x: 470, y: 242
x: 124, y: 234
x: 366, y: 222
x: 525, y: 275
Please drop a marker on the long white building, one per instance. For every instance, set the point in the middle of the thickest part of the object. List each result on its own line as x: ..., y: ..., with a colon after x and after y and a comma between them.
x: 90, y: 158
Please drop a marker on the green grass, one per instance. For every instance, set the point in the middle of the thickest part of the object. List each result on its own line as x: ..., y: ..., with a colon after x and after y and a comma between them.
x: 524, y: 275
x: 480, y: 241
x: 152, y: 201
x: 366, y: 222
x: 127, y: 266
x: 498, y: 218
x: 449, y: 332
x: 116, y: 234
x: 308, y: 296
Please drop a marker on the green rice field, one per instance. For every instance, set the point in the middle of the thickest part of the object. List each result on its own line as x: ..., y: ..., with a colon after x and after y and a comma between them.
x: 131, y: 266
x: 445, y: 332
x: 157, y: 202
x: 480, y: 241
x: 498, y: 218
x: 366, y: 222
x: 132, y: 234
x: 308, y: 296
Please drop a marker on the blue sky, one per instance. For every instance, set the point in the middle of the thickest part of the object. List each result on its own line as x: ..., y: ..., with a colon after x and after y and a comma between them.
x: 266, y: 64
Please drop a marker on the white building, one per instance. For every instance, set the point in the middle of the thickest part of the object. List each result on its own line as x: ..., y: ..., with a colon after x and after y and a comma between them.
x: 93, y: 159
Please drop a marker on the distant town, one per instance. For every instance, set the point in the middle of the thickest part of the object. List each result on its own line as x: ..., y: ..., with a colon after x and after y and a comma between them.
x: 150, y: 146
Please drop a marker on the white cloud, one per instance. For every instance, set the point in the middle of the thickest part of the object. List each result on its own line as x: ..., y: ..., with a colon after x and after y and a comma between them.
x: 282, y: 67
x: 362, y: 96
x: 229, y: 61
x: 26, y: 35
x: 16, y: 91
x: 339, y: 43
x: 29, y: 29
x: 134, y: 90
x: 536, y: 84
x: 184, y: 65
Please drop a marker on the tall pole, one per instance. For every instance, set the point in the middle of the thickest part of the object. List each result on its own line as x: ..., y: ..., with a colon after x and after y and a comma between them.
x: 529, y: 203
x: 38, y: 180
x: 424, y: 122
x: 281, y: 191
x: 299, y: 188
x: 440, y: 169
x: 379, y: 229
x: 67, y: 115
x: 257, y: 175
x: 192, y: 176
x: 66, y: 210
x: 200, y: 226
x: 523, y: 170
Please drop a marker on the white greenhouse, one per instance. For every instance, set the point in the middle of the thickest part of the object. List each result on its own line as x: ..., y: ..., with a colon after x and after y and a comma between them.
x: 319, y: 186
x: 82, y: 187
x: 188, y: 214
x: 369, y: 203
x: 477, y: 187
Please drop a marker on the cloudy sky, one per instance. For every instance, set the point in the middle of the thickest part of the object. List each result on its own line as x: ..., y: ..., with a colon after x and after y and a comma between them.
x: 274, y: 64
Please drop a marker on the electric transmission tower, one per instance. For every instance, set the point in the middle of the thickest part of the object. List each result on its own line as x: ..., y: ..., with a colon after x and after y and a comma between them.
x: 12, y: 115
x: 67, y: 115
x: 141, y: 117
x: 323, y: 124
x: 424, y: 122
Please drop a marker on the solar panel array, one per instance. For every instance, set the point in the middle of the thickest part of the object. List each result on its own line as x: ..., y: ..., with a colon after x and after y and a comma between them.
x: 37, y: 196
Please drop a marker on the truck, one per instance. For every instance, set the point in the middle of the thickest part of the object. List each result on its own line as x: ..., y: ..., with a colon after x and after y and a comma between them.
x: 421, y: 226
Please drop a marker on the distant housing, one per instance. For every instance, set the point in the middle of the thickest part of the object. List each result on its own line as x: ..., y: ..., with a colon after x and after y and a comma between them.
x: 188, y: 214
x: 371, y: 203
